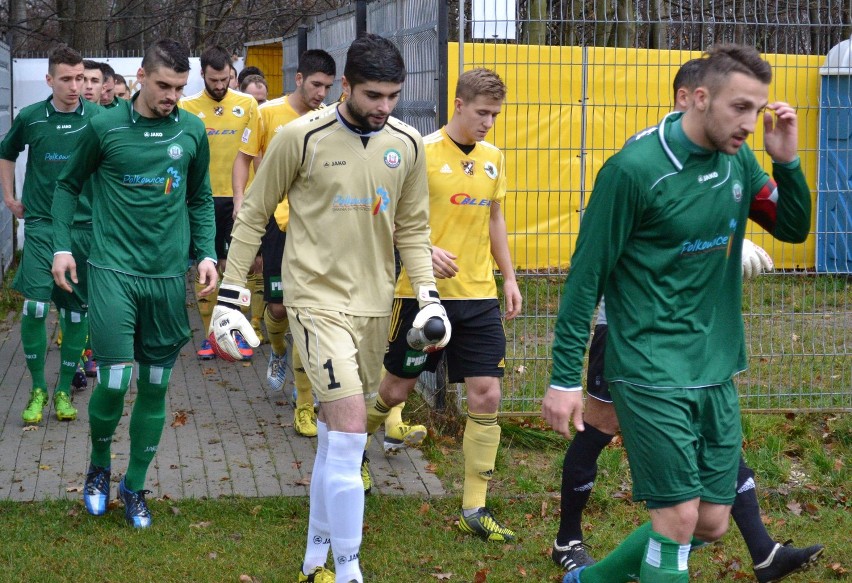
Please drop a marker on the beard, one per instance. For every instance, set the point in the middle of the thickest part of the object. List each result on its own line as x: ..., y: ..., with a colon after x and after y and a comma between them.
x: 218, y: 95
x: 361, y: 118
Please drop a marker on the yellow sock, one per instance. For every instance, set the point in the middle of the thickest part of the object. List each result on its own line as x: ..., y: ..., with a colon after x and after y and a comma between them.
x: 254, y: 282
x: 205, y: 306
x: 395, y: 415
x: 304, y: 396
x: 276, y: 330
x: 480, y: 442
x: 376, y: 415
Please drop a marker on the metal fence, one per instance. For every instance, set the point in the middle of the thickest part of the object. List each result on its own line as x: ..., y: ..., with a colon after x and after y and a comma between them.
x: 798, y: 322
x: 411, y: 24
x: 7, y: 223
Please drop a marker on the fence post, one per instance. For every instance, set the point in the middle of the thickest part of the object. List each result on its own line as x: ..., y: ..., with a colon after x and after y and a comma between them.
x: 360, y: 17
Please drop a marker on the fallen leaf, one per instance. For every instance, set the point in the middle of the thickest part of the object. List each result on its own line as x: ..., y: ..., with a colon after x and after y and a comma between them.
x: 544, y: 508
x: 74, y: 489
x: 521, y: 571
x: 256, y: 510
x: 202, y: 524
x: 44, y: 467
x: 213, y: 555
x: 521, y: 369
x: 442, y: 576
x: 303, y: 482
x: 424, y: 508
x: 30, y: 428
x: 480, y: 576
x: 180, y: 419
x: 795, y: 508
x: 175, y: 510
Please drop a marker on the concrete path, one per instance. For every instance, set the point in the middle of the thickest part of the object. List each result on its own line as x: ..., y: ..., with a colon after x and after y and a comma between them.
x: 225, y: 434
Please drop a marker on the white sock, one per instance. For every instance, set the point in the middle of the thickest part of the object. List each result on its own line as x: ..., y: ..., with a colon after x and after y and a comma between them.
x: 345, y: 491
x: 319, y: 538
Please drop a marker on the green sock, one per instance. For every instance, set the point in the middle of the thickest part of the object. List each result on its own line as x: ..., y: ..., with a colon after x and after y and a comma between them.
x: 34, y: 339
x: 105, y: 408
x: 146, y: 422
x: 75, y: 330
x: 623, y: 564
x: 665, y: 561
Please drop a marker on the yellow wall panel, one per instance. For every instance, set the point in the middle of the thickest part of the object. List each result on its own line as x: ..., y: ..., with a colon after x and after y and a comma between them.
x: 542, y: 131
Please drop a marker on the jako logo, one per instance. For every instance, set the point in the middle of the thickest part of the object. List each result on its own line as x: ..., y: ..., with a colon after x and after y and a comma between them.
x: 707, y: 177
x: 463, y: 199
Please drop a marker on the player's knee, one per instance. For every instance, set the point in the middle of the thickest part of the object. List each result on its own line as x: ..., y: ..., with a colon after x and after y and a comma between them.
x: 483, y: 394
x: 277, y: 311
x: 394, y: 390
x: 601, y: 415
x: 711, y: 530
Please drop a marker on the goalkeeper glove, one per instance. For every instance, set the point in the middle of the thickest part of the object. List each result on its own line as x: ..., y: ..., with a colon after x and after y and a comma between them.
x: 431, y: 328
x: 755, y: 260
x: 228, y: 320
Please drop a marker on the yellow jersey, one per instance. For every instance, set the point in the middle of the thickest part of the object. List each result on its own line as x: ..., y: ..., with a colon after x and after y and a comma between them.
x: 230, y: 123
x: 274, y: 115
x: 462, y: 188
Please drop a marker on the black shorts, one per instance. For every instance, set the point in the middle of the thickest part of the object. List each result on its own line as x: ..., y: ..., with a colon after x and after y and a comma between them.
x: 596, y: 386
x: 477, y: 346
x: 272, y: 249
x: 223, y: 206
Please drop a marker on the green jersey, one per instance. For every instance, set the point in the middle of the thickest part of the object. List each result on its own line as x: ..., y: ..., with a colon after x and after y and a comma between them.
x: 52, y: 137
x: 153, y: 193
x: 662, y: 237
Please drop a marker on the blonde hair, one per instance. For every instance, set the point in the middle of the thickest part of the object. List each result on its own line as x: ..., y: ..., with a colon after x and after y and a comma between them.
x: 476, y: 82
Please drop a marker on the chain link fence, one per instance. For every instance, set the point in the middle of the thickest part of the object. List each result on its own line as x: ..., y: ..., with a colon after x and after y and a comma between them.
x: 598, y: 71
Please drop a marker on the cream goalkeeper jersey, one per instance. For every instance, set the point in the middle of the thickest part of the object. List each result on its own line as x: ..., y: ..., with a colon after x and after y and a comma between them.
x: 462, y: 188
x: 230, y: 123
x: 347, y: 192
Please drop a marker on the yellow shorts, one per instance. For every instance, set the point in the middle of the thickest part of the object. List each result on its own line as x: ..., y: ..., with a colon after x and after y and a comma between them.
x: 342, y: 354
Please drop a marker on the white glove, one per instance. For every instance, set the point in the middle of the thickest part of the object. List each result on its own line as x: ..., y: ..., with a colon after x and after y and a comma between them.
x: 755, y: 260
x: 228, y: 320
x: 430, y: 307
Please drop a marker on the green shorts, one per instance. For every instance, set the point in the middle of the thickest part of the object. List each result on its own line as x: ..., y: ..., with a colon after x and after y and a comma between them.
x: 81, y: 244
x: 681, y: 443
x: 342, y: 354
x: 137, y: 318
x: 34, y: 279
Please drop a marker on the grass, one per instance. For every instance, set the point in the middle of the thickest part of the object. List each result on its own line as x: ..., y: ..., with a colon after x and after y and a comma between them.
x: 798, y: 334
x: 802, y: 462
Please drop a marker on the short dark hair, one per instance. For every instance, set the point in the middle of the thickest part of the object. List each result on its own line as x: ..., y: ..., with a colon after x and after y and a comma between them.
x: 249, y: 79
x: 373, y: 58
x: 316, y: 61
x: 246, y: 71
x: 108, y: 71
x: 90, y: 65
x: 119, y: 79
x: 217, y: 58
x: 62, y: 55
x: 167, y: 53
x: 723, y: 59
x: 688, y: 76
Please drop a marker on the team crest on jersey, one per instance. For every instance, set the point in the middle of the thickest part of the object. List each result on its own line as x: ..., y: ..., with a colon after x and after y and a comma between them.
x: 238, y: 111
x: 392, y: 158
x: 218, y: 110
x: 490, y: 170
x: 467, y: 166
x: 175, y: 152
x: 737, y: 191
